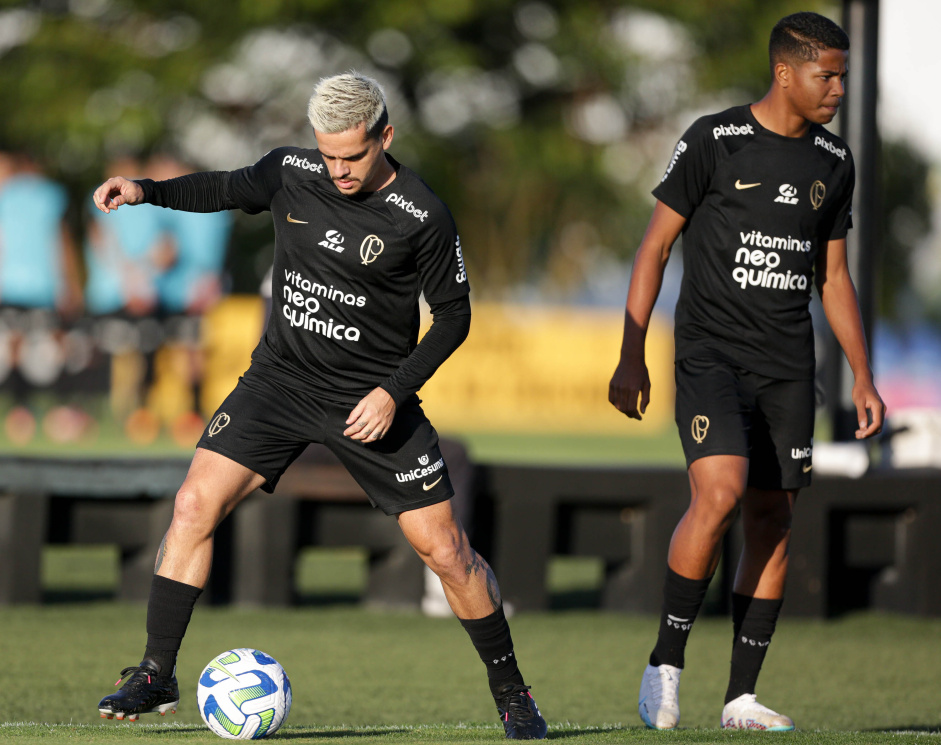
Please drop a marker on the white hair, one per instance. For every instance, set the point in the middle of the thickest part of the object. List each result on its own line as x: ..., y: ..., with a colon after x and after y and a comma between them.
x: 345, y: 101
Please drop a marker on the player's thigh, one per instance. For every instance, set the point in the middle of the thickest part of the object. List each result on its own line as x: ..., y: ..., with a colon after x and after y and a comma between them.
x: 214, y: 485
x: 782, y: 435
x: 264, y: 425
x: 713, y: 410
x: 404, y: 470
x: 719, y: 481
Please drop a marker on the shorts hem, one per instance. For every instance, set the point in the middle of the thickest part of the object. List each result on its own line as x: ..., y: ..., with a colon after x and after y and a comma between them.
x: 398, y: 509
x: 270, y: 481
x: 720, y: 451
x: 779, y: 487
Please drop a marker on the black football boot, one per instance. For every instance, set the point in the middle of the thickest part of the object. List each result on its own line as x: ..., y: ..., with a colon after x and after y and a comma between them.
x: 519, y: 713
x: 144, y: 692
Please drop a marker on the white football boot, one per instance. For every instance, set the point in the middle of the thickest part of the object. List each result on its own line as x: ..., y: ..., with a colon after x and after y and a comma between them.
x: 746, y: 713
x: 658, y: 703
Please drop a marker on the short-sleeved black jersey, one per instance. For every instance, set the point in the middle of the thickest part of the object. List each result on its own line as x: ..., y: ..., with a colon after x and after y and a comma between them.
x: 348, y: 271
x: 758, y: 208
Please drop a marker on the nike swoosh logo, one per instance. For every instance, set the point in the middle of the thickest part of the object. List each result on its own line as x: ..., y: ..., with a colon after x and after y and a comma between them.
x: 426, y: 487
x: 738, y: 185
x: 299, y: 222
x: 807, y: 468
x: 223, y: 670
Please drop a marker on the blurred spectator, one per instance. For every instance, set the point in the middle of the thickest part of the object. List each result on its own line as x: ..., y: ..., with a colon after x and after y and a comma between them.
x: 40, y: 292
x: 124, y: 256
x: 188, y: 289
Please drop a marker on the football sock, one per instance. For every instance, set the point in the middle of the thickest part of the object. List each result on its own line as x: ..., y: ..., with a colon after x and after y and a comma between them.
x: 753, y: 620
x: 682, y: 599
x: 491, y: 638
x: 168, y: 614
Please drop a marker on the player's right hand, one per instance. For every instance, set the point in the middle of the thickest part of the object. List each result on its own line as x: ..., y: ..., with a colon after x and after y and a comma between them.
x: 117, y: 191
x: 630, y: 380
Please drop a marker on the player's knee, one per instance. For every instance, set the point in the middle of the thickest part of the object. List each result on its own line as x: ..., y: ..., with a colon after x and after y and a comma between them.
x: 721, y: 503
x: 192, y: 513
x: 774, y: 526
x: 448, y: 559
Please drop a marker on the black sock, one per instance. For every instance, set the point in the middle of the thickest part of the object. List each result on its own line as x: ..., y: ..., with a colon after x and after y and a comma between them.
x: 682, y: 599
x: 491, y: 638
x: 168, y: 614
x: 753, y: 620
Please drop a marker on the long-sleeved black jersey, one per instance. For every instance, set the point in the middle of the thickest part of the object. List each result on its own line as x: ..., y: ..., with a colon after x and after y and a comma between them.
x: 348, y: 272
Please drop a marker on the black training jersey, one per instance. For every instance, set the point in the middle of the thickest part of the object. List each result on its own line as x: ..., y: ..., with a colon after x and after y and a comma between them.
x: 758, y: 208
x: 348, y: 271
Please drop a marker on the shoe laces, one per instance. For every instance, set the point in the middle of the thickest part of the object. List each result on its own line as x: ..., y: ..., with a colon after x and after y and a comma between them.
x: 515, y: 701
x: 148, y: 671
x: 665, y: 694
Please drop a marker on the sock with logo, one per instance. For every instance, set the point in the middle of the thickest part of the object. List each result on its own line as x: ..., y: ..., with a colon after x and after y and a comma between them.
x: 753, y: 620
x: 491, y: 638
x: 169, y: 610
x: 682, y: 599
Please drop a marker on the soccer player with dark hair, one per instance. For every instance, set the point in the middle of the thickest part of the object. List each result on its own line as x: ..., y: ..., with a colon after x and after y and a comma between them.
x: 358, y: 238
x: 762, y: 195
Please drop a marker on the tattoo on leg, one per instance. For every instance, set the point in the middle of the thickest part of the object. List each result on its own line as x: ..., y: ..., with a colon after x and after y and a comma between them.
x: 493, y: 589
x: 161, y: 553
x: 475, y: 565
x: 478, y: 565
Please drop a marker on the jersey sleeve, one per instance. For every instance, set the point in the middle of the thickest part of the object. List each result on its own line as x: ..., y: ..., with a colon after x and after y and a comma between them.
x: 440, y: 258
x: 252, y: 188
x: 448, y: 331
x: 840, y: 220
x: 687, y: 177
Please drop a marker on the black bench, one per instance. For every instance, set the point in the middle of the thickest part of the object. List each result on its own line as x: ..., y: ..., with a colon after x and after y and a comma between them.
x: 128, y: 502
x: 870, y: 542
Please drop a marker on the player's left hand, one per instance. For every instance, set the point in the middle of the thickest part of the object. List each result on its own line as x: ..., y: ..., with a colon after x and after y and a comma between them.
x: 372, y: 417
x: 870, y: 409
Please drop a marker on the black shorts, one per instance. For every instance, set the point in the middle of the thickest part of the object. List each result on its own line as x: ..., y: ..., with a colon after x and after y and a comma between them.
x: 264, y: 425
x: 722, y: 409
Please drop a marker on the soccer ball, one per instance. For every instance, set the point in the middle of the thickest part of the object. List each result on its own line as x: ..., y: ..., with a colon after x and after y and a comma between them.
x: 244, y: 694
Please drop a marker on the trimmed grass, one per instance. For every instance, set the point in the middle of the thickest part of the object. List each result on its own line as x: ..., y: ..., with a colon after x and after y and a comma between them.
x: 589, y: 450
x: 484, y: 447
x: 403, y: 677
x: 459, y: 735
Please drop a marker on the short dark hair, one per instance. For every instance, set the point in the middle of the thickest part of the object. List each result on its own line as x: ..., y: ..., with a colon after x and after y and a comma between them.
x: 800, y: 38
x: 376, y: 130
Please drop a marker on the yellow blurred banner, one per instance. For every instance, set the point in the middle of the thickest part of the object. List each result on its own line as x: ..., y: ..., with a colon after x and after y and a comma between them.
x: 545, y: 369
x: 230, y: 334
x: 522, y: 369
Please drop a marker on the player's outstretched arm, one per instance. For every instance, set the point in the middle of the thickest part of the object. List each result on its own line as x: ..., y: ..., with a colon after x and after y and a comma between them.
x: 117, y: 191
x: 631, y: 378
x: 841, y: 305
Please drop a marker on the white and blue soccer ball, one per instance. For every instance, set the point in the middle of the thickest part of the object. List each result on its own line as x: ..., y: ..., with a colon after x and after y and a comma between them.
x: 244, y: 694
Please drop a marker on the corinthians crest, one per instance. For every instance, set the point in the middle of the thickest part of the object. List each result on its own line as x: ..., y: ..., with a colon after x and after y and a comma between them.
x: 370, y: 248
x: 817, y: 192
x: 219, y: 423
x: 700, y: 428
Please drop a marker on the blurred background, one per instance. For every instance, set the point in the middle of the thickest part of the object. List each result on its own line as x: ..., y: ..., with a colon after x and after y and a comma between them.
x: 543, y: 125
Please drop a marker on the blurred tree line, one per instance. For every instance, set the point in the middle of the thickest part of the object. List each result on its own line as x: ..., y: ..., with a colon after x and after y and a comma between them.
x: 543, y: 124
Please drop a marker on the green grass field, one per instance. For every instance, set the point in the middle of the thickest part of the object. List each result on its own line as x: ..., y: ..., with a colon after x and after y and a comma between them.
x: 366, y: 676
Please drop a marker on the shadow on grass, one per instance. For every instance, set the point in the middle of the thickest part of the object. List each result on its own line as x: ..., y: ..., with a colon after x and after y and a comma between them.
x: 312, y: 733
x: 928, y: 729
x: 176, y: 730
x: 581, y: 732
